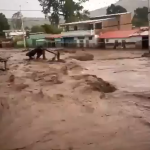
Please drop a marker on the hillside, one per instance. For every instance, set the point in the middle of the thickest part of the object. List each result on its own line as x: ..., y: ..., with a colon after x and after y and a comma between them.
x: 130, y: 5
x: 29, y: 22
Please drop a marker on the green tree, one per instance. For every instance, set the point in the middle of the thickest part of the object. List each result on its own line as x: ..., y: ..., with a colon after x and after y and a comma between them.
x: 82, y: 16
x: 27, y: 28
x: 50, y: 29
x: 37, y: 28
x: 70, y: 10
x: 3, y: 23
x: 114, y: 9
x: 140, y: 17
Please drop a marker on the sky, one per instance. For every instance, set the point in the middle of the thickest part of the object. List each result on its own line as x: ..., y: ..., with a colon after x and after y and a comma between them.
x: 34, y: 5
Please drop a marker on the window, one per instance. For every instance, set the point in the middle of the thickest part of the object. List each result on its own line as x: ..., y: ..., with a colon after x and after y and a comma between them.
x: 98, y: 25
x: 107, y: 40
x: 67, y: 28
x: 90, y: 38
x: 75, y: 28
x: 90, y: 27
x: 71, y: 28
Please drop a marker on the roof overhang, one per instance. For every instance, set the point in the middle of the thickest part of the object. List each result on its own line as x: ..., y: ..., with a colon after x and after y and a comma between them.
x: 86, y: 22
x: 117, y: 34
x: 109, y: 16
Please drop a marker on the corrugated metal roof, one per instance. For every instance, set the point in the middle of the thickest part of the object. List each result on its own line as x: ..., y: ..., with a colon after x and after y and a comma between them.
x: 117, y: 34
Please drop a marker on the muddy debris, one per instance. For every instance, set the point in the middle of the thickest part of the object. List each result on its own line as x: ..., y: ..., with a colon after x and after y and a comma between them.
x: 21, y: 86
x: 41, y: 97
x: 56, y: 61
x: 73, y: 66
x: 51, y: 80
x: 3, y: 103
x: 70, y: 66
x: 11, y: 79
x: 64, y: 70
x: 55, y: 79
x: 102, y: 95
x: 92, y: 82
x: 146, y: 55
x: 58, y: 97
x: 82, y: 57
x: 4, y: 106
x: 69, y: 51
x: 145, y: 122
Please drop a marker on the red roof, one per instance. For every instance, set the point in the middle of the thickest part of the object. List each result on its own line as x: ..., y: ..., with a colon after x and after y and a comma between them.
x: 53, y: 36
x: 117, y: 34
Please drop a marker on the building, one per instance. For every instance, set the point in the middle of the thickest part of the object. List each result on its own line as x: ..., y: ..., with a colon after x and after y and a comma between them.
x: 113, y: 22
x: 86, y: 33
x: 135, y: 38
x: 53, y: 40
x: 12, y: 33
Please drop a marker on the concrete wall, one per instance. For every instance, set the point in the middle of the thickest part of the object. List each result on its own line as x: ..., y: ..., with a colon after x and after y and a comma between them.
x: 31, y: 42
x: 122, y: 22
x: 133, y: 42
x: 126, y: 27
x: 79, y: 26
x: 110, y: 24
x: 125, y: 22
x: 37, y: 36
x: 98, y: 31
x: 91, y: 42
x: 125, y: 19
x: 132, y: 39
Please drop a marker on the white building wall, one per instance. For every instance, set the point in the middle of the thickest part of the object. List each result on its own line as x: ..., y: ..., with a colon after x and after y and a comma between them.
x: 77, y: 41
x: 92, y: 43
x: 137, y: 42
x: 132, y: 39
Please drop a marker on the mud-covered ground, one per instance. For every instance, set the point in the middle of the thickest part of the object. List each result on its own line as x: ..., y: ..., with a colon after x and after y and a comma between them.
x: 69, y: 106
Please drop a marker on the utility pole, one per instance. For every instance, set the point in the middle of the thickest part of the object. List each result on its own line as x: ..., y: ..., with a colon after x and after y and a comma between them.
x: 148, y: 25
x: 24, y: 39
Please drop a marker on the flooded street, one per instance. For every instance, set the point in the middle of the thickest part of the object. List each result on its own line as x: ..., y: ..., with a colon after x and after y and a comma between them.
x: 66, y: 106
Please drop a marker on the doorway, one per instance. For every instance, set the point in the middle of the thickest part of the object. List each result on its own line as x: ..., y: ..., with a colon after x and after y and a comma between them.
x: 145, y: 41
x: 101, y: 43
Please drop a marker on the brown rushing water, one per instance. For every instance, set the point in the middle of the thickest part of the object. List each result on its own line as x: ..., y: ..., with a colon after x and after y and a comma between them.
x: 39, y: 115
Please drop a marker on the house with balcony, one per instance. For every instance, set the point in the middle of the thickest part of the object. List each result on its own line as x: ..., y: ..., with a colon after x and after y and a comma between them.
x: 86, y: 33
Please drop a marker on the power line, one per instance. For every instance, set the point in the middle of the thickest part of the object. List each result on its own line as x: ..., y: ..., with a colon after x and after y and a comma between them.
x: 18, y: 10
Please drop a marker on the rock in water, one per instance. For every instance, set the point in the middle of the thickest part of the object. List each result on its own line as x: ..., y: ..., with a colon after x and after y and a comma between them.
x: 83, y: 56
x: 12, y: 79
x: 93, y: 83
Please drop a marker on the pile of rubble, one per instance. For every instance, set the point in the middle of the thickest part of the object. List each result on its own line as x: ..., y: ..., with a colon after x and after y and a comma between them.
x: 93, y: 83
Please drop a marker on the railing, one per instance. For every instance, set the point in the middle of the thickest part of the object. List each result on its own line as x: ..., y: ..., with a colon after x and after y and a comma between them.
x: 78, y: 33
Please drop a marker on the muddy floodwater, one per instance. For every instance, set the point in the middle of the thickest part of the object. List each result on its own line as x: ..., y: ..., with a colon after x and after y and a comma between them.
x: 100, y: 104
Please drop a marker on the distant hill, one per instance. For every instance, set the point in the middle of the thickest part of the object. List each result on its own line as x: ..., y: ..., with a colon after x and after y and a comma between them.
x: 130, y: 6
x: 29, y: 22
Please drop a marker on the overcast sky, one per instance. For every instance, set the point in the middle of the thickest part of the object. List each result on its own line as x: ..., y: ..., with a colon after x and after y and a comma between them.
x: 34, y: 5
